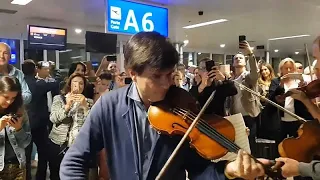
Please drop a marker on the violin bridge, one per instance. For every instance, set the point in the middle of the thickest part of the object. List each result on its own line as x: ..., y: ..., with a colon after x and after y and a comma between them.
x: 185, y: 115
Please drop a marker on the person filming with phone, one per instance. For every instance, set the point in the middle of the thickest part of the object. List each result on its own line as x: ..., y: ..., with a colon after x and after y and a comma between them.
x: 68, y: 114
x: 244, y: 102
x: 212, y: 79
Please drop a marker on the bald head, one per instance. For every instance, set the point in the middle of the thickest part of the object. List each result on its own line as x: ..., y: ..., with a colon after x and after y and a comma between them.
x: 5, y: 54
x: 5, y: 46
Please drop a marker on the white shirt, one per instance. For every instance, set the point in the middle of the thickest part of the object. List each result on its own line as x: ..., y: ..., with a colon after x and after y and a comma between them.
x: 289, y: 102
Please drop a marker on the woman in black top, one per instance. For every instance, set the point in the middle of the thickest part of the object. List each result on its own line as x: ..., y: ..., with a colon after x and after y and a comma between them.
x: 213, y: 81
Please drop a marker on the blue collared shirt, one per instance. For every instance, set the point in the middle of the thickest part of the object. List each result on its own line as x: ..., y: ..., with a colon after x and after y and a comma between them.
x: 146, y: 136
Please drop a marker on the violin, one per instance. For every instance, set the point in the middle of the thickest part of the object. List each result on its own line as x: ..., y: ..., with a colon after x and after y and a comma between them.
x: 305, y: 146
x: 212, y: 137
x: 312, y: 90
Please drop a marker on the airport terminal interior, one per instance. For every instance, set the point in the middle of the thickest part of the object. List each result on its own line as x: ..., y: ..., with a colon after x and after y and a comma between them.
x: 159, y: 89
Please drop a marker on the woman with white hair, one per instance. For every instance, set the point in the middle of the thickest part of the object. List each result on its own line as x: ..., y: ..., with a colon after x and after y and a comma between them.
x: 288, y: 125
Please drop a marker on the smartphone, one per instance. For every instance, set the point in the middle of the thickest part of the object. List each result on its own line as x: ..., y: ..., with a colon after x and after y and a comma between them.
x: 111, y: 58
x: 127, y: 80
x: 15, y: 117
x: 209, y: 65
x: 92, y: 79
x: 241, y: 39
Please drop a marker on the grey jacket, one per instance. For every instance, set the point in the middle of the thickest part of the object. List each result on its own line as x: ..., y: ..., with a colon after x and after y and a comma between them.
x: 19, y: 140
x: 250, y: 102
x: 66, y: 123
x: 310, y: 169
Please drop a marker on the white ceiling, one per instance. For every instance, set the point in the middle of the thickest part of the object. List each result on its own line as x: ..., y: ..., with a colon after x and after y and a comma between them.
x: 258, y: 19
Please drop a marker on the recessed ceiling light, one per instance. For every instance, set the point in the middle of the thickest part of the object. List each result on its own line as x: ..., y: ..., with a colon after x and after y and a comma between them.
x: 222, y: 45
x: 205, y: 23
x: 289, y: 37
x: 199, y: 53
x: 78, y: 31
x: 21, y: 2
x: 297, y: 52
x: 276, y: 50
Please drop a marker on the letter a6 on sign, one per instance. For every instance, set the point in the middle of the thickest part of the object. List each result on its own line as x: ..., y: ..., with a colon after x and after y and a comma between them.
x: 130, y: 17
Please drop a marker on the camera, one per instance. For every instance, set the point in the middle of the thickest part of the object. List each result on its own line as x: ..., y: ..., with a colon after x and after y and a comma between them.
x: 200, y: 13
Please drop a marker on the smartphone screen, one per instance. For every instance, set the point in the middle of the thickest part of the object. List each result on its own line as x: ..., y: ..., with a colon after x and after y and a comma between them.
x: 241, y: 39
x: 127, y: 80
x: 111, y: 58
x: 209, y: 65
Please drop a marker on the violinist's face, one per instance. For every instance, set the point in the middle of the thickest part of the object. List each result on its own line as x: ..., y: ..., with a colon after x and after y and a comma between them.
x: 316, y: 69
x: 288, y: 67
x: 152, y: 85
x: 316, y: 51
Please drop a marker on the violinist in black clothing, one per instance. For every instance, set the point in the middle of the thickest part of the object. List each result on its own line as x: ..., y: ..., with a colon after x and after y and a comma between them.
x: 213, y: 81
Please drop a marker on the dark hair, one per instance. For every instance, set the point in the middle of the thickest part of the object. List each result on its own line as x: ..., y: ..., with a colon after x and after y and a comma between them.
x: 73, y: 67
x: 11, y: 84
x: 106, y: 76
x: 29, y: 67
x: 67, y: 87
x: 194, y: 83
x: 149, y: 49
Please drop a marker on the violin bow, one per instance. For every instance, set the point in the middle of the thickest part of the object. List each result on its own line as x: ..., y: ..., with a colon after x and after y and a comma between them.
x: 310, y: 68
x: 309, y: 62
x: 269, y: 101
x: 184, y: 138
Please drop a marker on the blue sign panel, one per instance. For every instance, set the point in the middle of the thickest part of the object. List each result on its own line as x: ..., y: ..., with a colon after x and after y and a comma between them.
x: 131, y: 18
x: 12, y: 44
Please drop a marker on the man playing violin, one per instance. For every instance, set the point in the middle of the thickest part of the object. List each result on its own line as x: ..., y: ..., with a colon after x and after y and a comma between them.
x: 118, y: 122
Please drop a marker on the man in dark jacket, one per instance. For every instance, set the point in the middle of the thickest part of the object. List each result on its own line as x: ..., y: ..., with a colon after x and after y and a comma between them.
x: 38, y: 114
x: 119, y: 123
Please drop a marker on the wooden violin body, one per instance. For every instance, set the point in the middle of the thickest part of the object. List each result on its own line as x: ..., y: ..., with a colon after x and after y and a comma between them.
x: 312, y: 90
x: 305, y: 146
x: 177, y: 111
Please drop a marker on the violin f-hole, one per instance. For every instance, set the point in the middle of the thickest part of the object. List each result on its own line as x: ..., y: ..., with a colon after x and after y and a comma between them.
x: 174, y: 125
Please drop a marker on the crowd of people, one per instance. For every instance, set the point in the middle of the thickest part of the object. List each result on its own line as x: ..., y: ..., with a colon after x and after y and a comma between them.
x: 94, y: 124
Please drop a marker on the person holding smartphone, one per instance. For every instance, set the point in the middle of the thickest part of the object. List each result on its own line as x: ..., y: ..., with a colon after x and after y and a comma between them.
x: 212, y: 79
x: 68, y: 113
x: 244, y: 102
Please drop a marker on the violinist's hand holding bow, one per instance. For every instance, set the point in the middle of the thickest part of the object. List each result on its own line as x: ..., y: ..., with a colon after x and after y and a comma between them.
x: 290, y: 167
x: 245, y: 167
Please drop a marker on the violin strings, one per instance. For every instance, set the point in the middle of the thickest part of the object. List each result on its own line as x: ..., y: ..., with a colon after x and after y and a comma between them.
x: 234, y: 147
x: 214, y: 134
x: 204, y: 126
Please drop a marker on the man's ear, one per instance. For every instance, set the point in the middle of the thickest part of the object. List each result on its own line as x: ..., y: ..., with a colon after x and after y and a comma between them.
x: 132, y: 74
